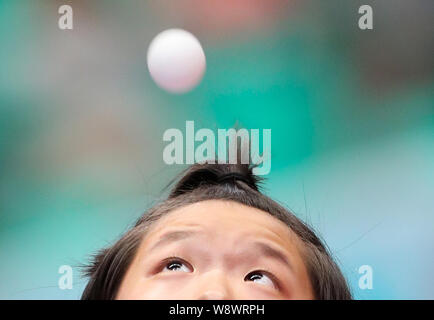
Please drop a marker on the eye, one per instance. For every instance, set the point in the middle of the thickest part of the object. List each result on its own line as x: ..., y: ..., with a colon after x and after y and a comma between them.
x: 176, y: 265
x: 261, y: 277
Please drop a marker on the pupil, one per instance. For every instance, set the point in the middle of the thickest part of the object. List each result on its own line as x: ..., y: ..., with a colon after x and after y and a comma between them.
x: 174, y: 265
x: 256, y: 276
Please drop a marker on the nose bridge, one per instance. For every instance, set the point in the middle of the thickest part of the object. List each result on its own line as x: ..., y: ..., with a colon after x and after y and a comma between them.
x: 215, y: 285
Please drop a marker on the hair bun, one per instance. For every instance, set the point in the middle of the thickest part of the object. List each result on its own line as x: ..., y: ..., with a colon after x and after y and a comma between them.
x: 200, y: 175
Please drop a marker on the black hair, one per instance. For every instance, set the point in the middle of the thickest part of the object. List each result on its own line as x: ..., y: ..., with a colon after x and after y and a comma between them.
x: 201, y: 182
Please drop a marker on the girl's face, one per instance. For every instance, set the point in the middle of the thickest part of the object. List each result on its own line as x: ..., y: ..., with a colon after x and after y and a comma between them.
x: 217, y: 250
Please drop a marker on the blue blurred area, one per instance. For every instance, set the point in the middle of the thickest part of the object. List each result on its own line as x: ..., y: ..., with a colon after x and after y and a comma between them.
x: 351, y: 113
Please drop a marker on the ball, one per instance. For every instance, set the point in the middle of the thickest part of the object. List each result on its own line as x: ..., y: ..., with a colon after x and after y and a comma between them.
x: 176, y: 60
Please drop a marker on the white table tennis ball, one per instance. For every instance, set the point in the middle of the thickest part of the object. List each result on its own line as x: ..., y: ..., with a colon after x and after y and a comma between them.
x: 176, y: 60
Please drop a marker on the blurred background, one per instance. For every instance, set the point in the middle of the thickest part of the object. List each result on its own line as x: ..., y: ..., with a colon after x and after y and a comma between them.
x: 351, y: 113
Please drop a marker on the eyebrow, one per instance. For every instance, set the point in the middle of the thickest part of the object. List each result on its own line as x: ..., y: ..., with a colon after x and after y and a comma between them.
x: 270, y: 252
x: 263, y: 248
x: 172, y: 237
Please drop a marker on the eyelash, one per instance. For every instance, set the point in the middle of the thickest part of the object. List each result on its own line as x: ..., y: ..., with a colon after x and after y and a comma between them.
x: 170, y: 260
x: 272, y: 277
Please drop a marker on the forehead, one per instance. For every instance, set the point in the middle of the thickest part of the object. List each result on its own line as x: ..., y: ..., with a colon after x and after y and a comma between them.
x: 227, y: 219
